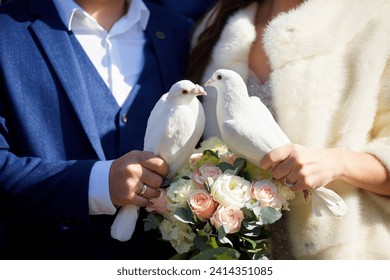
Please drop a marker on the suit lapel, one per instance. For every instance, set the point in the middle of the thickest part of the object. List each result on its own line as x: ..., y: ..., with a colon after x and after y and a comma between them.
x: 57, y: 46
x: 161, y: 39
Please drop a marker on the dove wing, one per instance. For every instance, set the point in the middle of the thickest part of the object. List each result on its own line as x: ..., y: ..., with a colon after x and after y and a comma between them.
x: 244, y: 141
x: 253, y: 132
x: 267, y: 118
x: 155, y: 126
x: 181, y: 134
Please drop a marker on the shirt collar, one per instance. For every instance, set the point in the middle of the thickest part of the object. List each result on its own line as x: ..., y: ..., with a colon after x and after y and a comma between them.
x: 137, y: 12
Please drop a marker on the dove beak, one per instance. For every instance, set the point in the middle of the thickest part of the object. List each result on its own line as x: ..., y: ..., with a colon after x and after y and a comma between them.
x: 198, y: 90
x: 209, y: 82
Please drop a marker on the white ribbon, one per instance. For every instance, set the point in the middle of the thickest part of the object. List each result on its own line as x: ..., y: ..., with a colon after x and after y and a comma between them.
x: 326, y: 202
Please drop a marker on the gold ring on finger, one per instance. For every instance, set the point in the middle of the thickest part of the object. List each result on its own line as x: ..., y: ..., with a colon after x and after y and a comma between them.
x: 143, y: 191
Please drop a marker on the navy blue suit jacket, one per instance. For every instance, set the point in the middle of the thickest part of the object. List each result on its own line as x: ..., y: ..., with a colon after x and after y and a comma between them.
x: 48, y: 136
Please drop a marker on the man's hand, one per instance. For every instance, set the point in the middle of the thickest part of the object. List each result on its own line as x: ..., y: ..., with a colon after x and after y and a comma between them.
x: 130, y: 173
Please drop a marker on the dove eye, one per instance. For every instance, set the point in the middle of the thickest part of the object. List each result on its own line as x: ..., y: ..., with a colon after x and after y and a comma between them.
x: 219, y: 77
x: 184, y: 91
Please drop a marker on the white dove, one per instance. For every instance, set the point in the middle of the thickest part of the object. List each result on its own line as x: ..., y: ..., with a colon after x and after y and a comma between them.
x: 174, y: 127
x: 249, y: 130
x: 176, y: 124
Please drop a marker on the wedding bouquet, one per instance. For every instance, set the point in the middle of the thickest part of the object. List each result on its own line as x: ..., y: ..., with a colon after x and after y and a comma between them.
x: 217, y: 205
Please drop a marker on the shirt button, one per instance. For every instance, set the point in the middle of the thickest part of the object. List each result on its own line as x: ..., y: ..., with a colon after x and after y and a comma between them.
x: 124, y: 118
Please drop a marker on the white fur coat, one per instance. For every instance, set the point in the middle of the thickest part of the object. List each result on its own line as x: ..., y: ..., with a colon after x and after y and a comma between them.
x: 331, y: 88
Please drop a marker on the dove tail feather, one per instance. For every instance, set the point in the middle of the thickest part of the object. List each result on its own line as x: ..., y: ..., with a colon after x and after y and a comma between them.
x: 124, y: 224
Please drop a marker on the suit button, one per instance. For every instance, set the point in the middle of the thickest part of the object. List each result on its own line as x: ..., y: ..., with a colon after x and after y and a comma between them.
x: 160, y: 35
x: 124, y: 118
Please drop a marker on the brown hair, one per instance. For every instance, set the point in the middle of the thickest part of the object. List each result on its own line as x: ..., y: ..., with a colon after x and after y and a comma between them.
x: 201, y: 53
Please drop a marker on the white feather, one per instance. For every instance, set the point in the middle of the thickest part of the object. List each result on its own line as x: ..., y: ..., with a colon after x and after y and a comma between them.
x: 325, y: 201
x: 122, y: 228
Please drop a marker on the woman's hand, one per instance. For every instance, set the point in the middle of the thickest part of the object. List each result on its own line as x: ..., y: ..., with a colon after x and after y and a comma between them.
x: 302, y: 167
x: 308, y: 168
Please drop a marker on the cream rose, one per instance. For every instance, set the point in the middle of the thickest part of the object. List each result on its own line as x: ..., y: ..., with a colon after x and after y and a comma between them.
x: 202, y: 204
x: 228, y: 217
x: 230, y: 190
x: 195, y: 157
x: 286, y: 195
x: 158, y: 204
x: 214, y: 143
x: 267, y: 193
x: 178, y: 193
x: 206, y: 173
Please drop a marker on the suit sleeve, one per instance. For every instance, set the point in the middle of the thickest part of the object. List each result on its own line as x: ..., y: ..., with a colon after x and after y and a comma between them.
x: 37, y: 190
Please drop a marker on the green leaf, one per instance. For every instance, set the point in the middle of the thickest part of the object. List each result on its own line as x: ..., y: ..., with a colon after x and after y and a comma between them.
x: 256, y: 172
x: 239, y: 165
x: 226, y: 240
x: 269, y: 215
x: 220, y: 253
x: 221, y: 232
x: 207, y: 228
x: 224, y: 166
x: 254, y: 232
x: 166, y: 182
x: 213, y: 242
x: 251, y: 242
x: 210, y: 153
x: 208, y: 156
x: 248, y: 214
x: 185, y: 215
x: 151, y: 222
x: 260, y: 251
x: 246, y: 175
x: 200, y: 242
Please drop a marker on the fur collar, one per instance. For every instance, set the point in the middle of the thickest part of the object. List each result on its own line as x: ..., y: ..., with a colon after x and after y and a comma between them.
x: 313, y: 28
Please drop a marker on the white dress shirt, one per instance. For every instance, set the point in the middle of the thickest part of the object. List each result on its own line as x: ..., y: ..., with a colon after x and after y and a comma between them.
x: 118, y: 58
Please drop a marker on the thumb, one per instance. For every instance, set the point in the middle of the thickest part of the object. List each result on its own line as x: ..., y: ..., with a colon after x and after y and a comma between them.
x: 275, y: 156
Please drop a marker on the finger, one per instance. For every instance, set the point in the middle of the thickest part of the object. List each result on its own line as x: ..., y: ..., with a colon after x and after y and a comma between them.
x: 155, y: 163
x: 296, y: 187
x: 275, y: 156
x: 148, y: 192
x: 303, y: 183
x: 143, y: 190
x: 139, y: 201
x: 151, y: 178
x: 289, y: 182
x: 283, y: 168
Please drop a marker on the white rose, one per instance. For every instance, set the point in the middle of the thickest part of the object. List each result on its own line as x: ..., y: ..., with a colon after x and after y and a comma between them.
x: 286, y: 194
x: 213, y: 143
x: 178, y: 234
x: 178, y: 192
x: 231, y: 191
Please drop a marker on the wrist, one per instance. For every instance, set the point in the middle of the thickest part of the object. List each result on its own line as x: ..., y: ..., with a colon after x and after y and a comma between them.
x: 340, y: 169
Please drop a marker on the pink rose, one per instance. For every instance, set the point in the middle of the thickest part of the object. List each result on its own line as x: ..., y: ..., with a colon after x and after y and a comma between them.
x: 228, y: 217
x: 202, y: 204
x: 229, y: 157
x: 205, y: 173
x: 158, y: 204
x: 194, y: 158
x: 267, y: 193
